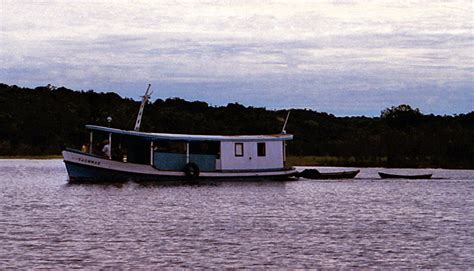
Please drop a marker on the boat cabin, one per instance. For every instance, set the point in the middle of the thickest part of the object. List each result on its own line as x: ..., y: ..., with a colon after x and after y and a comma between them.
x: 172, y: 152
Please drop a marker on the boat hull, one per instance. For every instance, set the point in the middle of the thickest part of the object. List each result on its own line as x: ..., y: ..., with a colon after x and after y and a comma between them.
x: 82, y: 167
x: 397, y: 176
x: 316, y: 175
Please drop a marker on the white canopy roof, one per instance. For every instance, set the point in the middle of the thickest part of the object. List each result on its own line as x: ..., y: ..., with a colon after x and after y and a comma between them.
x: 188, y: 137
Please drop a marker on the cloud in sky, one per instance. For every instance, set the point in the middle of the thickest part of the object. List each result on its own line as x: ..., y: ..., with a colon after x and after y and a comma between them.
x: 342, y: 57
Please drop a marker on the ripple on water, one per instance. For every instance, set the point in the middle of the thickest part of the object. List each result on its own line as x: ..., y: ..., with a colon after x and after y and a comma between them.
x: 46, y: 223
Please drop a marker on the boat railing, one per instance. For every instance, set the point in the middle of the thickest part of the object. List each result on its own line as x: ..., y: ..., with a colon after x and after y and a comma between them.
x: 86, y: 153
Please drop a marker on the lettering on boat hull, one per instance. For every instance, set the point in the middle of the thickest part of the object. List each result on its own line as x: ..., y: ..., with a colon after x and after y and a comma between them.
x: 84, y: 167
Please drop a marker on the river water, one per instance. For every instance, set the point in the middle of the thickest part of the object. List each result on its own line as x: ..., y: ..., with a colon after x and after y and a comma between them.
x: 360, y: 223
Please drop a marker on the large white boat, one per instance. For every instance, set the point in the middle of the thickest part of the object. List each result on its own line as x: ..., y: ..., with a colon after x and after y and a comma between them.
x: 135, y: 155
x: 158, y: 156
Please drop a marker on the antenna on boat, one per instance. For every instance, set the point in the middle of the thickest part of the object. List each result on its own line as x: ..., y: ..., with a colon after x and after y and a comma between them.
x: 142, y: 106
x: 286, y: 121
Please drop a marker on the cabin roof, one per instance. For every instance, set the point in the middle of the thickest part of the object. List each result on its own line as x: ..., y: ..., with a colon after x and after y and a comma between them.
x: 189, y: 137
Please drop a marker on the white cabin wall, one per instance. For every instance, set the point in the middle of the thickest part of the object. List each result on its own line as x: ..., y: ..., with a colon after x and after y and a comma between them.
x: 272, y: 160
x: 273, y: 157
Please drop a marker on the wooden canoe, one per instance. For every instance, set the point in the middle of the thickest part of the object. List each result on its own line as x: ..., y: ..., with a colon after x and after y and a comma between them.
x: 316, y: 175
x: 400, y: 176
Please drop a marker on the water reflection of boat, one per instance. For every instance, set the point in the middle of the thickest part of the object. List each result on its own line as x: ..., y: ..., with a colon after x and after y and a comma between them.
x: 401, y: 176
x: 316, y: 175
x: 115, y: 154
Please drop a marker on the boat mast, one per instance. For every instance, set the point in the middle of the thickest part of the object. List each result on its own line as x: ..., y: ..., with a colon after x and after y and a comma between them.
x: 283, y: 131
x: 142, y: 106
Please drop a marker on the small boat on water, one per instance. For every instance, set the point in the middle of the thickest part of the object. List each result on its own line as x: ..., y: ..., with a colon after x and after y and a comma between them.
x: 316, y: 175
x: 121, y: 155
x: 400, y: 176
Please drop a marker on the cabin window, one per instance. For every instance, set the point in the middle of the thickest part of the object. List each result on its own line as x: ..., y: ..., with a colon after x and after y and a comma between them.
x: 170, y: 146
x: 261, y: 149
x: 239, y: 149
x: 205, y: 147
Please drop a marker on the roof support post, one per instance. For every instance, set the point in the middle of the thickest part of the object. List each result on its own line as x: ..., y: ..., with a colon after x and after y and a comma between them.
x: 91, y: 136
x: 110, y: 146
x: 187, y: 152
x: 151, y: 153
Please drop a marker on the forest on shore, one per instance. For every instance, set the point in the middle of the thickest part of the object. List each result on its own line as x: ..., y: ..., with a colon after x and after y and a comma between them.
x: 44, y: 120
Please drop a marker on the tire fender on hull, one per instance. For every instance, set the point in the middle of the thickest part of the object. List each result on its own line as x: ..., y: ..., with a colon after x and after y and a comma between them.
x: 191, y: 170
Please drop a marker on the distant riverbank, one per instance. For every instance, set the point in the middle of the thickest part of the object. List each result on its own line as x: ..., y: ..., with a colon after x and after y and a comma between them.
x: 330, y: 161
x: 337, y: 161
x: 44, y: 121
x: 42, y: 157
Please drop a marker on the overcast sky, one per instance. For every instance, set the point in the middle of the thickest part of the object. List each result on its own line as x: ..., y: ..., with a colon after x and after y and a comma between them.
x: 340, y: 57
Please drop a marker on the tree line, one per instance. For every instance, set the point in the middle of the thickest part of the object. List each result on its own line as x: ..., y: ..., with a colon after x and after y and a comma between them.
x: 43, y: 120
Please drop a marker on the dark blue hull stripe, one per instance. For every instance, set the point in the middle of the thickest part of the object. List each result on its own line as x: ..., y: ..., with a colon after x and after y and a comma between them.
x: 80, y: 172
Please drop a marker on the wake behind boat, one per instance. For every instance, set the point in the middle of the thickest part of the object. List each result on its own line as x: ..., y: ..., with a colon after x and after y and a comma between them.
x: 399, y: 176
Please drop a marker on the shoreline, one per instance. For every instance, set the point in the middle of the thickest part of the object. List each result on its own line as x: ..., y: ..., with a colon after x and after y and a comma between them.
x: 30, y: 157
x: 366, y: 162
x: 304, y: 161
